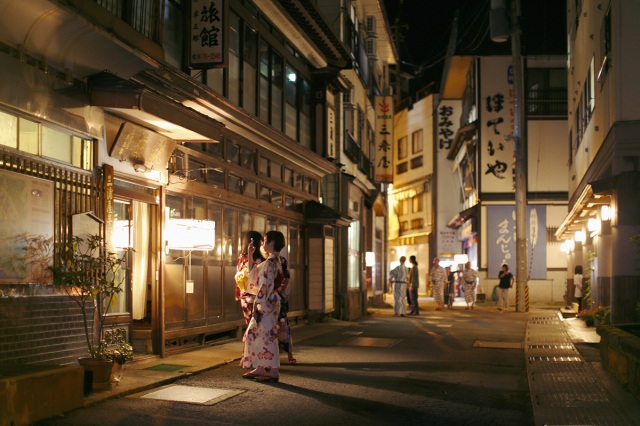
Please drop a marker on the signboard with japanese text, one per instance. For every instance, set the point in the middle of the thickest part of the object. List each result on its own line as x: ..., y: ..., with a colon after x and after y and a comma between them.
x: 448, y: 123
x: 496, y: 125
x: 501, y: 240
x: 384, y: 140
x: 331, y: 133
x: 206, y: 34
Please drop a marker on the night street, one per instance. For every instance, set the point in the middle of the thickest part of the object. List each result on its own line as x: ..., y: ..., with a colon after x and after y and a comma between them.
x: 382, y: 370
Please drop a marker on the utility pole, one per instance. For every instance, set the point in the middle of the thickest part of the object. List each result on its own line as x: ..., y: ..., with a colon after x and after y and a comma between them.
x: 499, y: 33
x: 519, y: 145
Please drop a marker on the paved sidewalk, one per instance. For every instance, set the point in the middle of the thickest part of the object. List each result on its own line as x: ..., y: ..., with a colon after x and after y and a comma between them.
x: 151, y: 372
x: 566, y: 386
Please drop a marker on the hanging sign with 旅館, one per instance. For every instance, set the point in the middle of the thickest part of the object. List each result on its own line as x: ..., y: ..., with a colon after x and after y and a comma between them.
x: 207, y: 41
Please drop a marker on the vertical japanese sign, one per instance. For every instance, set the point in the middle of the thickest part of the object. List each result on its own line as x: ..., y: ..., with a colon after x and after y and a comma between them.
x: 206, y: 34
x: 447, y: 123
x: 448, y: 115
x: 497, y: 120
x: 331, y: 132
x: 384, y: 140
x: 501, y: 242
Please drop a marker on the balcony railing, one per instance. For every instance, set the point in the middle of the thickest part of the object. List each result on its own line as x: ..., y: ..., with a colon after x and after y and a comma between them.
x: 550, y: 103
x: 145, y: 16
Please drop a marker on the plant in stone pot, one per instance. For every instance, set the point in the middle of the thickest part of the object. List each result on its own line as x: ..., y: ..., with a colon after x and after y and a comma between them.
x: 92, y: 276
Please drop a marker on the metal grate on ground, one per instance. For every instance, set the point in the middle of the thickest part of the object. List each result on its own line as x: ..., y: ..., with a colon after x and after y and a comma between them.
x: 564, y: 388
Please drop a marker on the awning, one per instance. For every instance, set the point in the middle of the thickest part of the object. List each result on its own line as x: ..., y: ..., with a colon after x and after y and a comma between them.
x: 318, y: 213
x: 405, y: 193
x: 459, y: 219
x: 593, y: 196
x: 62, y: 37
x: 138, y: 104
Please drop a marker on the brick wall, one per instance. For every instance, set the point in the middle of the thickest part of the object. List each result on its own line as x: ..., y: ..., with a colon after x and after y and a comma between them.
x: 41, y: 330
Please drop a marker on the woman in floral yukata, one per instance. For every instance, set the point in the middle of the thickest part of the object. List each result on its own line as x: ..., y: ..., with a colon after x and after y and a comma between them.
x: 261, y: 351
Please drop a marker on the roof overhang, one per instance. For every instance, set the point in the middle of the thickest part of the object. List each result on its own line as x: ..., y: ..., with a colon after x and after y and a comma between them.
x: 306, y: 30
x: 463, y: 134
x: 585, y: 208
x: 321, y: 214
x: 65, y: 39
x: 136, y: 103
x: 454, y: 77
x: 459, y: 219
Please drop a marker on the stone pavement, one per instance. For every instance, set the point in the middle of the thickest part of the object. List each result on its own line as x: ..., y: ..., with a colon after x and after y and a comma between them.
x: 566, y: 380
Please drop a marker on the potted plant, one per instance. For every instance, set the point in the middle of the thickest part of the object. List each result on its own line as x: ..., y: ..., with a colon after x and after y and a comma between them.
x: 117, y: 349
x: 92, y: 277
x: 587, y: 315
x: 602, y: 314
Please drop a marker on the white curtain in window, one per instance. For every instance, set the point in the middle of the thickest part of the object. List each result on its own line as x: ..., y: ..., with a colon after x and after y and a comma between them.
x: 140, y: 264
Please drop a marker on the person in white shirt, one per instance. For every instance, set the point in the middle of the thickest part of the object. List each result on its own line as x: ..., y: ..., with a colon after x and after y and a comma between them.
x: 398, y: 278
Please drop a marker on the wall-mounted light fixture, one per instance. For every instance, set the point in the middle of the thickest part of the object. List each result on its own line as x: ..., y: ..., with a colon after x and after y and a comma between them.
x: 140, y: 168
x: 605, y: 212
x: 593, y: 225
x: 370, y: 259
x: 567, y: 246
x: 580, y: 236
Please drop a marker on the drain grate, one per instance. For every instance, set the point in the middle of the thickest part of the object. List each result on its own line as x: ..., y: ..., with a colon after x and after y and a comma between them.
x: 559, y: 347
x: 498, y: 345
x: 555, y: 358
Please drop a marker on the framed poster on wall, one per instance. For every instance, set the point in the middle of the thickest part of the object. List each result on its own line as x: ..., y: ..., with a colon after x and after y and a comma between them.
x: 26, y: 228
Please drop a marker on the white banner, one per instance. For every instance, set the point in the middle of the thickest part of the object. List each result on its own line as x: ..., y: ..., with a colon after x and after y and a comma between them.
x: 497, y: 118
x: 206, y: 34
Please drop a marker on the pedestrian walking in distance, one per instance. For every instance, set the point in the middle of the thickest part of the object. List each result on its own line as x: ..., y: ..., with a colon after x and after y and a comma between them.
x: 398, y: 278
x: 414, y: 285
x: 438, y: 278
x: 470, y: 277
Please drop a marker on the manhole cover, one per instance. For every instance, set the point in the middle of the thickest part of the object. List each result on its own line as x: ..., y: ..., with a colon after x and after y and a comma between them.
x: 192, y: 394
x: 498, y: 345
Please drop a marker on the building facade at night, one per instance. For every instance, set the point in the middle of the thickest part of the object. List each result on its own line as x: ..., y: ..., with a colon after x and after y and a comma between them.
x: 161, y: 117
x: 411, y: 198
x: 604, y: 179
x: 475, y: 163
